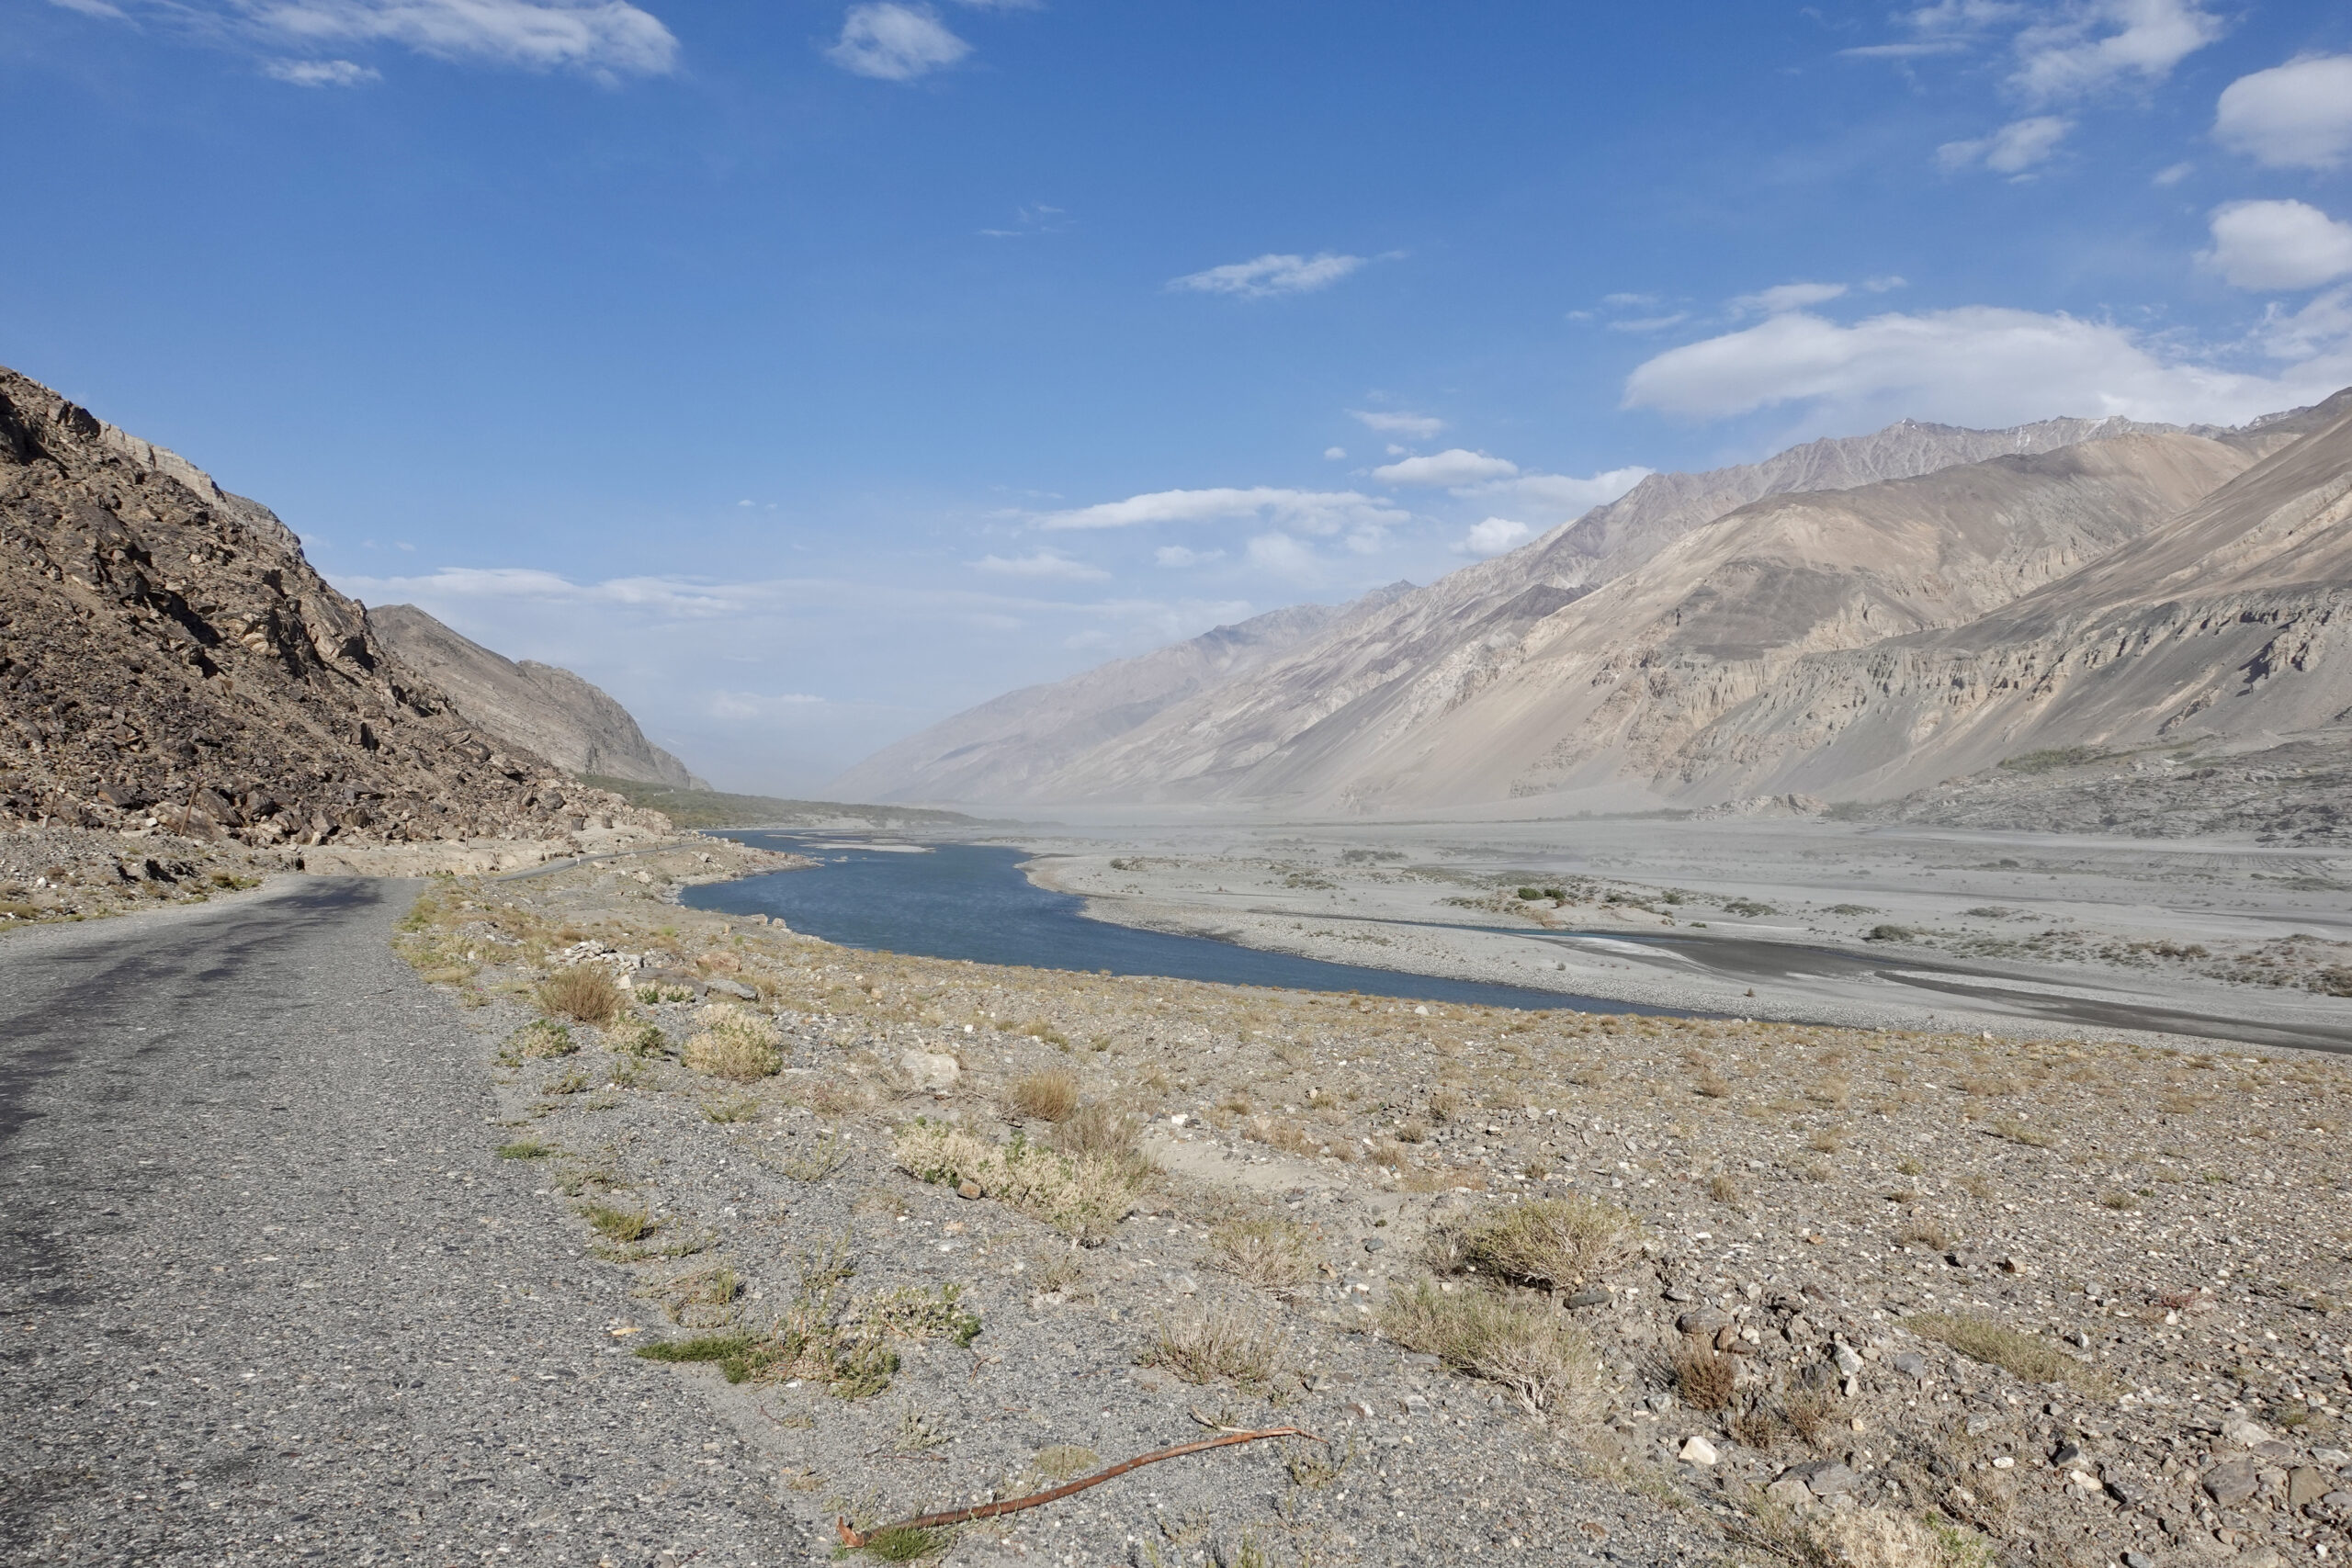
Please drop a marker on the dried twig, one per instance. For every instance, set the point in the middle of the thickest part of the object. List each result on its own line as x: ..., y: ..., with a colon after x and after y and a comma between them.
x: 855, y: 1538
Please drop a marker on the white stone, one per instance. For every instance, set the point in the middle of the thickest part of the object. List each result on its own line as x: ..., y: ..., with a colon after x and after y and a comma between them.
x: 1698, y: 1450
x: 930, y: 1070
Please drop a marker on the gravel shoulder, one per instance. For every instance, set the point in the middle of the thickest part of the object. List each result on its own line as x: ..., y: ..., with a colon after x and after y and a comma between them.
x: 267, y: 1292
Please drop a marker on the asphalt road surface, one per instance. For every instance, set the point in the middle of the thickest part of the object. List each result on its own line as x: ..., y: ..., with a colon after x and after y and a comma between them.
x: 267, y: 1295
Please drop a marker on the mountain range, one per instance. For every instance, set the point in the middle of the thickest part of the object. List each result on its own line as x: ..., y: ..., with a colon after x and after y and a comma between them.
x: 1799, y: 624
x: 167, y: 655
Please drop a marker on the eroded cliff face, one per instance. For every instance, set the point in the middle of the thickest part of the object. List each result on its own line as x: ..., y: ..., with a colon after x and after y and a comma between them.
x: 166, y: 654
x: 2230, y: 624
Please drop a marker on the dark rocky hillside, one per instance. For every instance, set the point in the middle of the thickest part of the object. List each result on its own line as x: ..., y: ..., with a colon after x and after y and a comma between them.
x: 168, y: 656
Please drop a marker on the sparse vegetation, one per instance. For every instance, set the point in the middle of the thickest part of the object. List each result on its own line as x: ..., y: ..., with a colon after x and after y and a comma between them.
x: 583, y: 993
x: 733, y: 1045
x: 1704, y: 1378
x: 1083, y: 1193
x: 1269, y: 1253
x: 2029, y: 1355
x: 1523, y: 1347
x: 1552, y: 1242
x: 1049, y: 1095
x: 1216, y: 1344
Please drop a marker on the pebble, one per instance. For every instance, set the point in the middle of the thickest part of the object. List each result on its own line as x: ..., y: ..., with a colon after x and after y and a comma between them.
x: 1374, y: 1244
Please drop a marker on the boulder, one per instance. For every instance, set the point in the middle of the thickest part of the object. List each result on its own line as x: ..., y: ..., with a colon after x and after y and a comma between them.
x: 929, y: 1070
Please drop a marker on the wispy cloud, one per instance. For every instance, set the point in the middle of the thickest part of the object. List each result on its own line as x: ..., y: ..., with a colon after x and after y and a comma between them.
x: 2015, y: 148
x: 321, y: 72
x: 1786, y: 296
x: 1178, y: 556
x: 1263, y: 277
x: 2296, y: 116
x: 1044, y: 564
x: 1493, y: 537
x: 2093, y: 43
x: 604, y: 37
x: 1309, y: 511
x: 1976, y: 365
x: 891, y: 43
x: 1456, y: 466
x: 1420, y: 426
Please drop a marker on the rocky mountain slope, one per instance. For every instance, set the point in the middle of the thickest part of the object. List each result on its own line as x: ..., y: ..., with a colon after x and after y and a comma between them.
x: 538, y: 707
x: 1006, y: 748
x: 2230, y: 623
x: 1421, y: 651
x: 167, y: 655
x: 1592, y: 695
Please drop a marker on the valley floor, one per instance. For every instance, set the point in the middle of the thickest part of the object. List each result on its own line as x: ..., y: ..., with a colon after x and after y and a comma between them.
x: 1898, y: 926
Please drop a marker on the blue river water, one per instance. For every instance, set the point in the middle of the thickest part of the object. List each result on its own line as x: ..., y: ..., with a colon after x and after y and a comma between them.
x: 971, y: 902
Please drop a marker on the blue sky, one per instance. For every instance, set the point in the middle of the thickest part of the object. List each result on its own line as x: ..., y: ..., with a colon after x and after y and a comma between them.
x: 803, y: 372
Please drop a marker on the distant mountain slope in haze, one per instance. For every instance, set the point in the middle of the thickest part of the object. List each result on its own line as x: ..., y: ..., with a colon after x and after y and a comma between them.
x: 1597, y: 692
x: 1378, y: 678
x: 1001, y: 749
x: 2231, y: 623
x: 536, y: 707
x: 1392, y: 665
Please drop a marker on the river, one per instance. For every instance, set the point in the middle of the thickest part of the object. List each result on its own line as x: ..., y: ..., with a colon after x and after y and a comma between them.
x: 971, y: 902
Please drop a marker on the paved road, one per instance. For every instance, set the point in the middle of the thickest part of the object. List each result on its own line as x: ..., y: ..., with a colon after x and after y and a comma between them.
x: 266, y: 1294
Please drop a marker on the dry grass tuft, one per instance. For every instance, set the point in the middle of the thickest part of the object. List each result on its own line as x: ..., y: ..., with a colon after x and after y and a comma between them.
x: 2031, y: 1137
x: 1862, y: 1538
x: 583, y: 993
x: 1083, y: 1194
x: 1552, y: 1242
x: 2029, y: 1355
x: 733, y: 1045
x: 1269, y: 1253
x: 1215, y: 1343
x: 1050, y: 1096
x: 1922, y: 1232
x: 1704, y: 1378
x: 1534, y: 1352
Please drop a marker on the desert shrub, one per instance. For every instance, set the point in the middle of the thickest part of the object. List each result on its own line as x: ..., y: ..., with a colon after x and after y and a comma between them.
x: 1527, y: 1349
x: 1712, y: 1085
x: 733, y: 1045
x: 2019, y: 1133
x: 1046, y: 1097
x: 1704, y: 1377
x: 1082, y: 1194
x: 1722, y: 1189
x: 1863, y: 1538
x: 1445, y: 1106
x: 1552, y: 1242
x: 1217, y: 1343
x: 1889, y: 933
x: 583, y: 993
x: 1922, y: 1232
x: 539, y: 1039
x: 1104, y: 1131
x: 2029, y: 1355
x: 1270, y: 1253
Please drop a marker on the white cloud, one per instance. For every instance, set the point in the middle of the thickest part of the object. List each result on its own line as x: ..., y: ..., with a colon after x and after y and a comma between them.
x: 2297, y: 115
x: 895, y: 43
x: 1453, y: 466
x: 1420, y: 426
x: 1492, y: 537
x: 602, y: 37
x: 2278, y: 244
x: 1284, y: 557
x: 1559, y: 495
x: 2016, y: 147
x: 319, y: 73
x: 92, y: 8
x: 2322, y: 327
x: 2172, y: 174
x: 2092, y: 43
x: 1178, y: 556
x: 1313, y: 512
x: 1050, y: 564
x: 1335, y: 454
x: 1978, y: 365
x: 1267, y: 275
x: 1787, y: 296
x: 1649, y: 323
x: 743, y: 707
